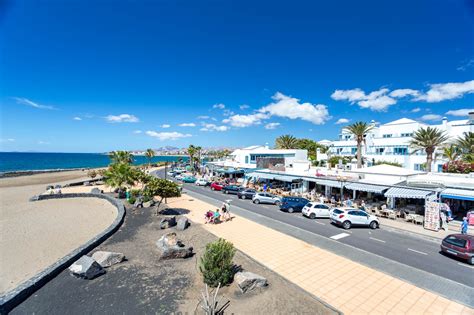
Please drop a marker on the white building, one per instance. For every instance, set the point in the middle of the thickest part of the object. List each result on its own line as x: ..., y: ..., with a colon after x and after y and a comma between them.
x: 246, y: 158
x: 390, y: 142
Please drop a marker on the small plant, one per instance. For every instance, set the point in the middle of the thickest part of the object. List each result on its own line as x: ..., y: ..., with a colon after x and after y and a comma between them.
x: 210, y: 303
x: 92, y: 174
x: 216, y: 263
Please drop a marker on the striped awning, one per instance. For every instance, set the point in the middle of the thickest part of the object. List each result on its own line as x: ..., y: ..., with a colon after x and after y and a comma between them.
x: 401, y: 192
x: 286, y: 178
x: 367, y: 187
x: 462, y: 194
x: 327, y: 182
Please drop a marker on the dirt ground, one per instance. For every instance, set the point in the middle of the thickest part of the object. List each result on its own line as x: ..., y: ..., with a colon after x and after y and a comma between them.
x: 144, y: 284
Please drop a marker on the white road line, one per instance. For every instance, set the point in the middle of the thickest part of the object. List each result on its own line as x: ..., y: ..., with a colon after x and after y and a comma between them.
x: 465, y: 265
x: 376, y: 239
x: 321, y: 223
x: 416, y: 251
x: 339, y: 236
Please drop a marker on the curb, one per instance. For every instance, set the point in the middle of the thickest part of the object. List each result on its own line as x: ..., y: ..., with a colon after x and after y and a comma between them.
x: 13, y: 298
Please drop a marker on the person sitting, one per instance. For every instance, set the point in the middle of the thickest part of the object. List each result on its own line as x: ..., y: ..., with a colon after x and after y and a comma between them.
x: 208, y: 217
x: 216, y: 216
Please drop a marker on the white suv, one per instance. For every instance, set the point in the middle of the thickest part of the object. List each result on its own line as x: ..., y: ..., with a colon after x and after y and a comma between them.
x: 263, y: 197
x: 315, y: 210
x: 347, y: 217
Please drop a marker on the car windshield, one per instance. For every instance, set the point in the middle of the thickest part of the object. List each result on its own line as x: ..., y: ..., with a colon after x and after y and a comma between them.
x: 453, y: 240
x: 309, y: 205
x: 337, y: 211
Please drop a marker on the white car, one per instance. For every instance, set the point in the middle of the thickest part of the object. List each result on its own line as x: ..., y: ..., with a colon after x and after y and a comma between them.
x: 263, y: 197
x: 179, y: 176
x: 347, y: 217
x: 315, y: 210
x: 201, y: 182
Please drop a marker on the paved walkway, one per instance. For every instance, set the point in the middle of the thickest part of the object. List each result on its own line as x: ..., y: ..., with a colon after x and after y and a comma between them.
x: 348, y: 286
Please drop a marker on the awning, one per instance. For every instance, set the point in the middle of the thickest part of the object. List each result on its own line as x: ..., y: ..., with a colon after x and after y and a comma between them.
x: 327, y: 182
x: 366, y: 187
x: 261, y: 175
x: 400, y: 192
x: 462, y: 194
x: 230, y: 171
x: 286, y: 178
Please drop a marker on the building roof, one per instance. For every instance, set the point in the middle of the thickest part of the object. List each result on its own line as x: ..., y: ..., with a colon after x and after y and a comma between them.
x: 385, y: 169
x: 402, y: 121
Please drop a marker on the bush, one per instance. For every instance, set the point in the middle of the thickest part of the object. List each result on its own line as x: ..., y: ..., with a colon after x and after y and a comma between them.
x: 216, y: 264
x: 132, y: 200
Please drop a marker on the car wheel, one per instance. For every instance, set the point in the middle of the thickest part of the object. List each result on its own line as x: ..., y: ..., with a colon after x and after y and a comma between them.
x: 312, y: 216
x: 243, y: 197
x: 373, y: 225
x: 277, y: 203
x: 227, y: 192
x: 212, y: 188
x: 256, y: 201
x: 291, y: 210
x: 471, y: 260
x: 346, y: 225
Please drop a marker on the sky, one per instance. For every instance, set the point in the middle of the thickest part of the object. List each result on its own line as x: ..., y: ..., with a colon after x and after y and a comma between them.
x: 95, y: 76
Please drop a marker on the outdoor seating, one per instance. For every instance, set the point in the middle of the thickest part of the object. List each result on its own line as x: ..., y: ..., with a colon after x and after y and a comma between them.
x: 391, y: 214
x: 419, y: 219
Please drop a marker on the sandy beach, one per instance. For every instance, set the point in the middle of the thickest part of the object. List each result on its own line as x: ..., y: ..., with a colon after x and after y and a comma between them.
x: 36, y: 234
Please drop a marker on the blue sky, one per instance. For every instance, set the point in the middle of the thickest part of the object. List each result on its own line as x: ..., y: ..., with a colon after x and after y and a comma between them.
x: 93, y: 76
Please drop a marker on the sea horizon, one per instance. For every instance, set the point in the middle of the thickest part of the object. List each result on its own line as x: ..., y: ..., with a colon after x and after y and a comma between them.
x: 51, y: 161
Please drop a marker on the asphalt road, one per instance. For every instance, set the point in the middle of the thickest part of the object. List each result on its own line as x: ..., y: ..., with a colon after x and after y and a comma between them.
x: 409, y: 250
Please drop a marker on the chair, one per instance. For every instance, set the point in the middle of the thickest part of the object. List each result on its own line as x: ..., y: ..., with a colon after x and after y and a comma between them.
x: 392, y: 214
x: 419, y: 219
x: 377, y: 212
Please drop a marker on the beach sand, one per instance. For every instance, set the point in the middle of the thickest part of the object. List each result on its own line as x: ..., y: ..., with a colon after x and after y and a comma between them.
x: 34, y: 235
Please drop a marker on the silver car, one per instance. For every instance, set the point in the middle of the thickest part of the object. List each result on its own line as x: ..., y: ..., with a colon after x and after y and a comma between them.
x: 263, y: 197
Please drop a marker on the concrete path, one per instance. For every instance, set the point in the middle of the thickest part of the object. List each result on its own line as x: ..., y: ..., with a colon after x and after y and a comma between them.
x: 346, y: 285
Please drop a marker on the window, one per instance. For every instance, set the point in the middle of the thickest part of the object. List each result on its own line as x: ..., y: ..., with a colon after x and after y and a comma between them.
x: 419, y: 167
x: 410, y: 134
x: 388, y: 135
x: 379, y: 151
x: 400, y: 151
x: 453, y: 240
x: 246, y: 159
x: 353, y: 150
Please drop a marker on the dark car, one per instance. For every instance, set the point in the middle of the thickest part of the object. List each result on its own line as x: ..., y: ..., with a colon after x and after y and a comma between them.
x: 292, y: 204
x: 246, y: 193
x: 459, y: 245
x: 231, y: 189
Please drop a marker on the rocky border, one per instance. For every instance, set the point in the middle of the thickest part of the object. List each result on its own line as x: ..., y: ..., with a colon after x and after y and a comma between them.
x: 13, y: 298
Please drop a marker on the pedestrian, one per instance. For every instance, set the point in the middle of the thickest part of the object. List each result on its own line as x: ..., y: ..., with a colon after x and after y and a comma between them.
x: 216, y: 216
x: 225, y: 211
x: 265, y: 187
x: 443, y: 221
x: 362, y: 205
x: 322, y: 198
x: 464, y: 226
x: 349, y: 202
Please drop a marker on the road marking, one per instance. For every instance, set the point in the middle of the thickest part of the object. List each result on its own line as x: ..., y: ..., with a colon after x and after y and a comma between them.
x: 465, y: 265
x: 321, y: 223
x: 339, y: 236
x: 376, y: 239
x: 416, y: 251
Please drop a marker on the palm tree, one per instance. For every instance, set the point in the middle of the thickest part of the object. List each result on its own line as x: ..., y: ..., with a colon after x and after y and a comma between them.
x: 121, y: 157
x: 465, y: 143
x: 451, y: 153
x: 286, y: 142
x: 359, y: 130
x: 428, y: 140
x: 197, y: 158
x: 192, y: 150
x: 149, y: 155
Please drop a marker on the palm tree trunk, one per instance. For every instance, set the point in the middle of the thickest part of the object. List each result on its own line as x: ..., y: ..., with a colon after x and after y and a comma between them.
x: 359, y: 155
x: 429, y: 159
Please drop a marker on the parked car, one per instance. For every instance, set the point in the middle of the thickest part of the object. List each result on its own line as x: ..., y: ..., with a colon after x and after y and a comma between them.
x: 246, y: 193
x: 315, y: 210
x: 189, y: 179
x: 171, y: 173
x: 216, y: 186
x: 231, y: 189
x: 292, y: 204
x: 459, y: 245
x: 348, y: 217
x: 179, y: 176
x: 262, y: 197
x: 202, y: 182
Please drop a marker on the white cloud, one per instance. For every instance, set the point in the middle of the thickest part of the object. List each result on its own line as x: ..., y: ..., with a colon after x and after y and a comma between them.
x: 290, y: 107
x: 165, y: 126
x: 40, y: 142
x: 203, y: 117
x: 342, y: 121
x: 244, y: 106
x: 213, y: 127
x: 466, y: 65
x: 25, y: 101
x: 163, y: 136
x: 271, y: 126
x: 137, y: 132
x: 219, y: 106
x: 245, y: 120
x: 7, y: 140
x: 77, y: 118
x: 122, y: 118
x: 460, y: 112
x: 228, y: 112
x: 431, y: 117
x: 415, y: 110
x: 187, y: 125
x: 376, y: 100
x: 446, y: 91
x: 404, y: 92
x: 352, y: 96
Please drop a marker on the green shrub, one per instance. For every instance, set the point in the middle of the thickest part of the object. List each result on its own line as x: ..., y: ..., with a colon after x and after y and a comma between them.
x: 132, y: 200
x: 216, y: 264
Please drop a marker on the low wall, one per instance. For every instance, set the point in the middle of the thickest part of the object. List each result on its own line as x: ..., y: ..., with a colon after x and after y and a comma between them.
x: 14, y: 297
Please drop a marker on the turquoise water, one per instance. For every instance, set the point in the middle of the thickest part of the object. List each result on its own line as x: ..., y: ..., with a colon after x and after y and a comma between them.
x: 14, y: 161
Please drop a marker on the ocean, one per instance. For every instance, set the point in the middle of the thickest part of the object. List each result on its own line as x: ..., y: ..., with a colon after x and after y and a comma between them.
x: 19, y: 161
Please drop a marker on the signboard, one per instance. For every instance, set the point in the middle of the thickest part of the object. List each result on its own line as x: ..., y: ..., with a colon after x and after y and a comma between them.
x: 432, y: 216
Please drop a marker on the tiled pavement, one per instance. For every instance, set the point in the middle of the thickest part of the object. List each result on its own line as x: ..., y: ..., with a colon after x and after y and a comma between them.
x: 346, y: 285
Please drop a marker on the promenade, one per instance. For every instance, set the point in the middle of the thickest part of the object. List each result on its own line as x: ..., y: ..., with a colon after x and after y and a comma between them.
x: 346, y: 285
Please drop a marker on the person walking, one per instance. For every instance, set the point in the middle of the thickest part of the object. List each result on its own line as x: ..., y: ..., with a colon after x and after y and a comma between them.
x: 464, y: 225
